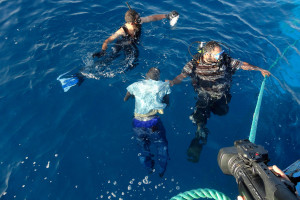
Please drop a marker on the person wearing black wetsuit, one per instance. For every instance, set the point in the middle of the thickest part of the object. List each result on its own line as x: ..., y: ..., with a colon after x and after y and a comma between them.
x: 211, y: 72
x: 128, y: 37
x: 128, y: 44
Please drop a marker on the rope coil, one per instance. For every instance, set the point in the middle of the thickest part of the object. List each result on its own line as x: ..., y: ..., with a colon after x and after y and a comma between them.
x: 201, y: 193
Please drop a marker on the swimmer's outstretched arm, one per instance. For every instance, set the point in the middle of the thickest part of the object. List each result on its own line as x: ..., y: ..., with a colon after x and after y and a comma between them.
x: 153, y: 18
x: 114, y: 36
x: 127, y: 96
x: 247, y: 66
x: 177, y: 79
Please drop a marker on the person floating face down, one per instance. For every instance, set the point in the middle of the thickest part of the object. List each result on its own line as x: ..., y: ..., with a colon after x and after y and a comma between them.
x: 211, y: 72
x: 127, y: 37
x: 151, y: 97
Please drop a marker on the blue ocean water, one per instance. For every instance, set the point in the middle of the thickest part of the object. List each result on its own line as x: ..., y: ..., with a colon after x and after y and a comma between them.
x: 79, y: 144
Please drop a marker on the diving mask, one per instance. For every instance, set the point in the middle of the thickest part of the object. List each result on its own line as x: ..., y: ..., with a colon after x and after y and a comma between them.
x: 218, y: 55
x: 138, y: 20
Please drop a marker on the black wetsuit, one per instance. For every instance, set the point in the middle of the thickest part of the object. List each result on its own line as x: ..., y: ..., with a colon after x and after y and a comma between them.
x: 212, y: 83
x: 99, y: 69
x: 128, y: 44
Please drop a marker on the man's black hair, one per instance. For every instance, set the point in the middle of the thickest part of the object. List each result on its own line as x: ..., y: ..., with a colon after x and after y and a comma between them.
x: 153, y: 73
x: 130, y: 15
x: 210, y: 46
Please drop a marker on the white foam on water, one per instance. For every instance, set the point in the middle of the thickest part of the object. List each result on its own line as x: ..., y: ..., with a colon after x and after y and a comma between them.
x: 48, y: 165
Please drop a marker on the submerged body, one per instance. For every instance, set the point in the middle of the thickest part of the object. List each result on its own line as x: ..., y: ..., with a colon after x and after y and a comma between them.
x: 150, y: 96
x: 127, y: 37
x: 211, y: 82
x: 211, y: 72
x: 126, y: 44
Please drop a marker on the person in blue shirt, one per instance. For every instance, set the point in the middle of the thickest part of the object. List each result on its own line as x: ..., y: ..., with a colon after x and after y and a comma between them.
x: 151, y: 97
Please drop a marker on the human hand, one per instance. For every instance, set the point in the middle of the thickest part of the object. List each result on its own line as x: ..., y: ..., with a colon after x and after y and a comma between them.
x: 275, y: 171
x: 265, y: 72
x: 99, y: 54
x: 278, y: 172
x: 172, y: 14
x: 170, y: 82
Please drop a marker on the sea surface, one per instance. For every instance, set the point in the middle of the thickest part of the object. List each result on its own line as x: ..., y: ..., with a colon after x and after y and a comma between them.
x: 79, y: 144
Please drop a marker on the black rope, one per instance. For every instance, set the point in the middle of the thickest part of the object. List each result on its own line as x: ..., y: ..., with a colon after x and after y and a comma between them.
x: 128, y: 6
